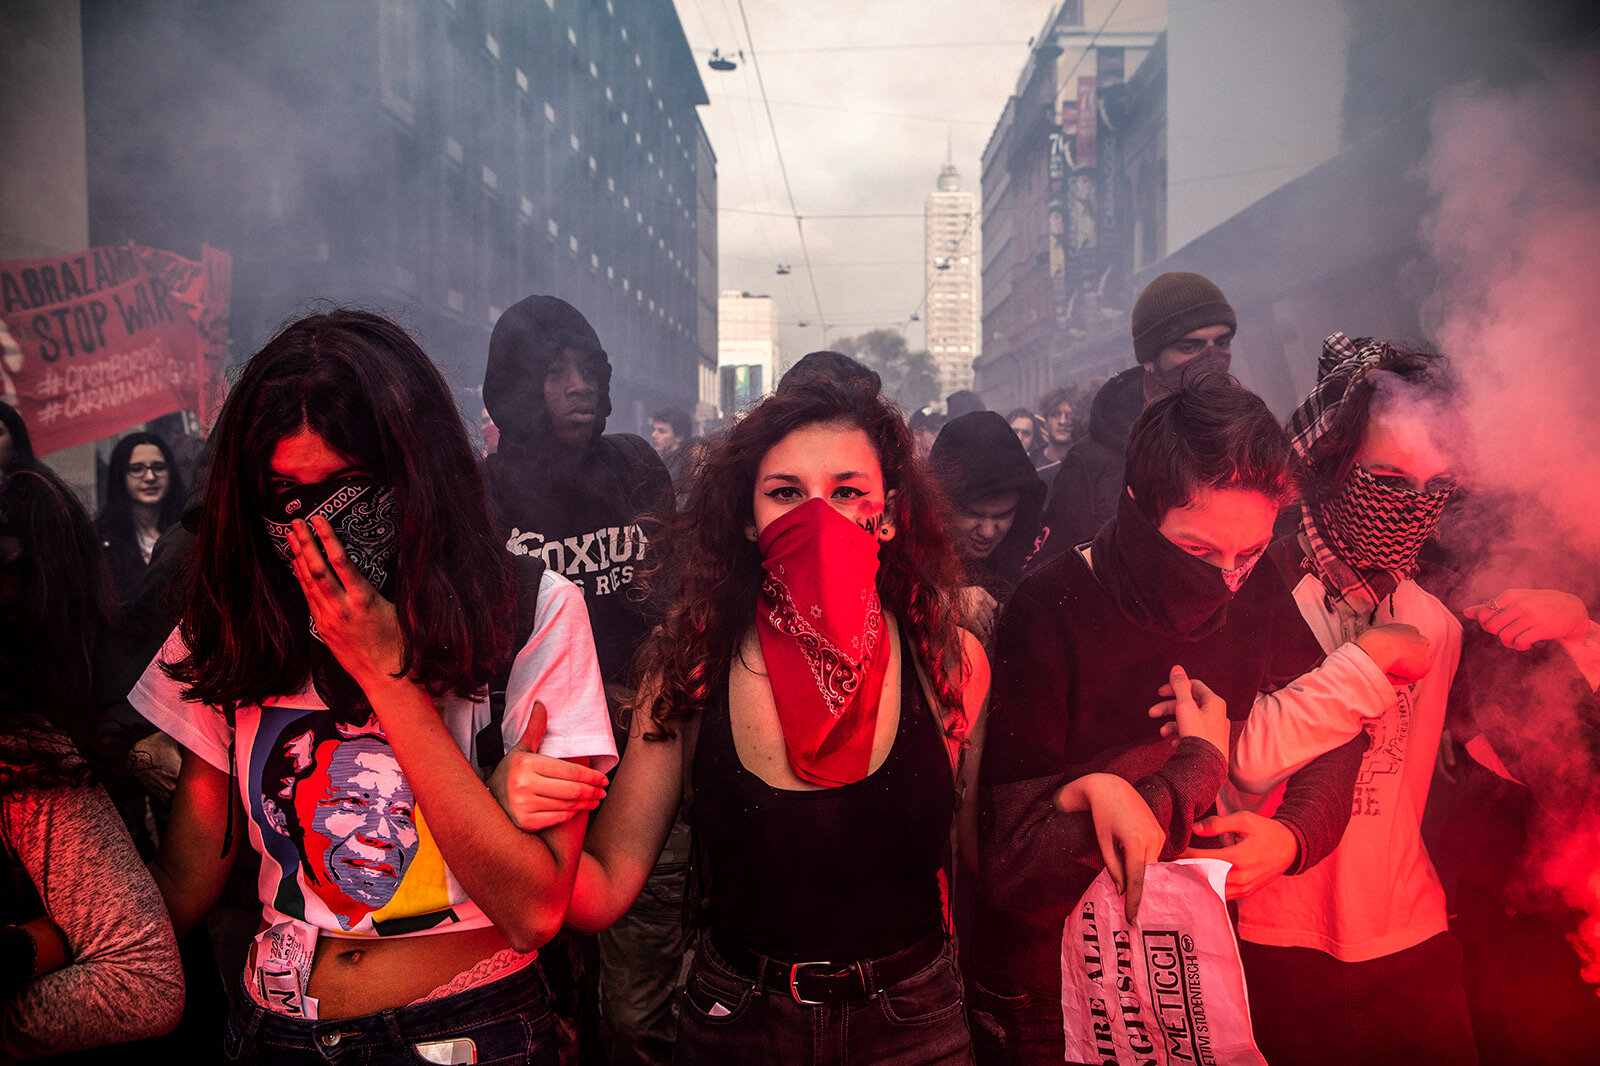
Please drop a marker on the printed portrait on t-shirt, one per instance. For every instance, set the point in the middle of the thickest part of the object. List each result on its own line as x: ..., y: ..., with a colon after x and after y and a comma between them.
x: 334, y: 791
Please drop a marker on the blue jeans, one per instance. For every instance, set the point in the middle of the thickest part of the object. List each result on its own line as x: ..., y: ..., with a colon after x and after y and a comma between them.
x: 726, y: 1018
x: 505, y: 1021
x: 1016, y: 1028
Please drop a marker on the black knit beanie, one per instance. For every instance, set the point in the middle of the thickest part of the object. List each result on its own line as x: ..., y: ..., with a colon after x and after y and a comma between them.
x: 1173, y: 305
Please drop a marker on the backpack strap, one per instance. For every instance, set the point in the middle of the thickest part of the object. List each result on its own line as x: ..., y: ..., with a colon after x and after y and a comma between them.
x: 490, y: 742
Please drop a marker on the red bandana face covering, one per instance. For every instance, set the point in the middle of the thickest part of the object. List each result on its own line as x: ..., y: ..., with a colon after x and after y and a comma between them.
x: 821, y: 630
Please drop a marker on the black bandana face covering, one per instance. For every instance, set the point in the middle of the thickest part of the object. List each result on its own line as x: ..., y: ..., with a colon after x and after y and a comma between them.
x: 362, y: 514
x: 1156, y: 583
x: 1158, y: 382
x: 1375, y: 526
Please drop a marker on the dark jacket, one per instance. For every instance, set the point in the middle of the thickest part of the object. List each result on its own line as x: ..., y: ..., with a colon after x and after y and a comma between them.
x: 976, y: 456
x: 1074, y: 676
x: 590, y: 513
x: 1083, y: 494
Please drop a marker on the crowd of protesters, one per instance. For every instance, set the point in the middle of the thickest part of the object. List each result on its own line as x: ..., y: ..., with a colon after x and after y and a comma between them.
x: 793, y: 743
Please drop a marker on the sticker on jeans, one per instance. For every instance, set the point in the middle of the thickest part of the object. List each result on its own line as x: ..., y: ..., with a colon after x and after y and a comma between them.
x: 448, y: 1052
x: 283, y: 968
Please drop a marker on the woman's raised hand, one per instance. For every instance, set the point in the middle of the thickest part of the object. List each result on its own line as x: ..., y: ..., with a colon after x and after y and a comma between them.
x: 359, y: 626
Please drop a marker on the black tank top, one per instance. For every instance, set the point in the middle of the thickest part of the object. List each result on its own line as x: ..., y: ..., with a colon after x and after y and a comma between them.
x: 836, y: 874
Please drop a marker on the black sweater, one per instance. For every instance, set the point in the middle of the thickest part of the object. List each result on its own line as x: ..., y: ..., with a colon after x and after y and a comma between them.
x: 1073, y: 681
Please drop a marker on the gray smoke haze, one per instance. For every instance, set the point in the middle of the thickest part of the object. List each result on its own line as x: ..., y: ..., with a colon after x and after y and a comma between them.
x: 1516, y: 231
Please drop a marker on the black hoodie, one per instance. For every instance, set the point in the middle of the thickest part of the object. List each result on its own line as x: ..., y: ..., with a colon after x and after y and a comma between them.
x: 979, y: 455
x: 1084, y: 495
x: 589, y: 512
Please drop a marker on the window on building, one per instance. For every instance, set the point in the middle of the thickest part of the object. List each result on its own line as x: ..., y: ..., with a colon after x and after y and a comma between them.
x: 397, y: 57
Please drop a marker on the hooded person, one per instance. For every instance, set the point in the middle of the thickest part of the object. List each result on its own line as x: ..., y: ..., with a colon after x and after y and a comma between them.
x: 995, y: 499
x: 1182, y: 326
x: 587, y: 501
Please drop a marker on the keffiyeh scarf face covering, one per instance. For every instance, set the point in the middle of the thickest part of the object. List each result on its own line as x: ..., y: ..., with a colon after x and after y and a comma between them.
x: 1156, y: 583
x: 362, y: 513
x: 1376, y: 526
x: 821, y: 630
x: 1365, y: 540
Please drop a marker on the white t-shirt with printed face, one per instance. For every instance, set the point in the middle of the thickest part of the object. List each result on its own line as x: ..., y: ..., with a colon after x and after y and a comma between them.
x: 345, y: 847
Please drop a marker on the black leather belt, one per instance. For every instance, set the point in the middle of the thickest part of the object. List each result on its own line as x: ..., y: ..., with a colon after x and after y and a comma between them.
x: 813, y: 983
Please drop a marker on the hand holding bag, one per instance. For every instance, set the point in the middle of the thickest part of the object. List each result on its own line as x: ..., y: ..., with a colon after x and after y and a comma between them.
x: 1168, y: 991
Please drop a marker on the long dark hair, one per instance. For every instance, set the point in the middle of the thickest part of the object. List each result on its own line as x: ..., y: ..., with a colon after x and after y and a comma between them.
x: 712, y: 570
x: 363, y: 385
x: 21, y: 443
x: 55, y: 597
x: 116, y: 516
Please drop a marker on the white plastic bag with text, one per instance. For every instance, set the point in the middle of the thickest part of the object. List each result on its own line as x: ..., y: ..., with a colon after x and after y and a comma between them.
x: 1168, y: 991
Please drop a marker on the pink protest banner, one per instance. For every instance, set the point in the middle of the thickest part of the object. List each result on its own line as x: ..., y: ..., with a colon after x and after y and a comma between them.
x: 93, y: 343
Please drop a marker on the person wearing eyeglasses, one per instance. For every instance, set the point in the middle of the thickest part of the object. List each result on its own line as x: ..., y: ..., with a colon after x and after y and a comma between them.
x: 1183, y: 326
x: 144, y: 497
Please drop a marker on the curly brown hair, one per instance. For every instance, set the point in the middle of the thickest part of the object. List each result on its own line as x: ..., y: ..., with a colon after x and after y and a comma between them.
x: 710, y: 570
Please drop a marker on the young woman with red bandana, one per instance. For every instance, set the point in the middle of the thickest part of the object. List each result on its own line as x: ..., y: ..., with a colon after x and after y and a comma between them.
x: 813, y: 684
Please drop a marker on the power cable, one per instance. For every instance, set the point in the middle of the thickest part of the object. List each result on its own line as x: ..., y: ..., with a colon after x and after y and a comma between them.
x: 783, y: 169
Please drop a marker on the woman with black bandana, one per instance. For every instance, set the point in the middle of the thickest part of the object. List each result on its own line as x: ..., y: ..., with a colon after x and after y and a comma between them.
x: 1076, y: 773
x: 350, y: 604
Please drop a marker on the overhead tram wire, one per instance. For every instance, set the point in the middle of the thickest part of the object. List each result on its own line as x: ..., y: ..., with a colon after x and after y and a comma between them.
x: 894, y: 47
x: 942, y: 120
x: 814, y: 218
x: 763, y: 194
x: 805, y: 253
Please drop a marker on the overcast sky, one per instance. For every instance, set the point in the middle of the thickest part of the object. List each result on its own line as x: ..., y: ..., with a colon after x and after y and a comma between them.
x: 864, y: 106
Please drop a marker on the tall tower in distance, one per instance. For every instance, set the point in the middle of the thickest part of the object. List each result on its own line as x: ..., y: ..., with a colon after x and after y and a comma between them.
x: 953, y: 255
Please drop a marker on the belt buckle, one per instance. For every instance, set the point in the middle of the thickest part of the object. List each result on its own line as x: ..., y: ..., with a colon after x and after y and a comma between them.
x: 794, y: 978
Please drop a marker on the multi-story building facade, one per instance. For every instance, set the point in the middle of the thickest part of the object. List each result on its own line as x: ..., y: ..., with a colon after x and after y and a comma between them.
x: 747, y: 349
x: 1058, y: 204
x: 952, y: 243
x: 439, y: 159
